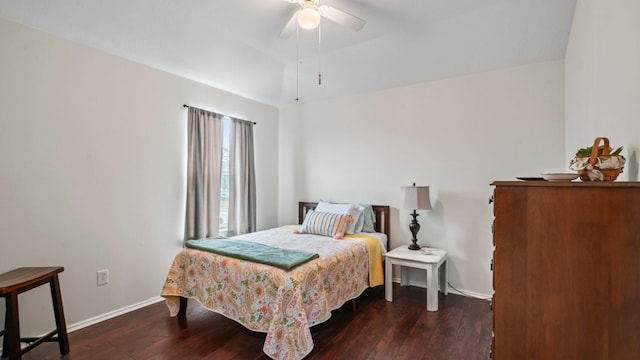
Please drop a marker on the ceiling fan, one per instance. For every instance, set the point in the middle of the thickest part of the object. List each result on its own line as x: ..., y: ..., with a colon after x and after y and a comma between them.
x: 308, y: 17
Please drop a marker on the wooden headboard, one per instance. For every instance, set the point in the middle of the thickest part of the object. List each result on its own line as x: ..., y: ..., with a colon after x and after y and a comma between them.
x: 381, y: 213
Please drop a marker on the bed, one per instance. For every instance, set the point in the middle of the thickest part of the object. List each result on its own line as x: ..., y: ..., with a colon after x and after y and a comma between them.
x: 283, y: 304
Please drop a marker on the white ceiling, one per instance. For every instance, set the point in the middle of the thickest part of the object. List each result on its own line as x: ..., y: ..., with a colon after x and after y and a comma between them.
x: 234, y: 44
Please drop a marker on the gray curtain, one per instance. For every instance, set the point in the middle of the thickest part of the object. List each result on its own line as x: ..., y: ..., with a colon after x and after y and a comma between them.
x: 203, y: 174
x: 242, y: 181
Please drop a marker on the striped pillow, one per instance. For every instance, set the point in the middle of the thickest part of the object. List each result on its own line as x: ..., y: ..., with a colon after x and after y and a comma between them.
x: 325, y: 224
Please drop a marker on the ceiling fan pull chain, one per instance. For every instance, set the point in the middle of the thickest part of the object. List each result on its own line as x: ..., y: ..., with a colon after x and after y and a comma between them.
x: 297, y: 61
x: 320, y: 53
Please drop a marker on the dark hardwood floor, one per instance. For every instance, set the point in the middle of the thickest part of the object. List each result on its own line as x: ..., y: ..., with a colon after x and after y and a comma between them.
x: 403, y: 329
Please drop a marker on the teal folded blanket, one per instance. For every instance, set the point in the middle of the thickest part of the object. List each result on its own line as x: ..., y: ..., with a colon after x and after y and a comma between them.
x: 286, y: 259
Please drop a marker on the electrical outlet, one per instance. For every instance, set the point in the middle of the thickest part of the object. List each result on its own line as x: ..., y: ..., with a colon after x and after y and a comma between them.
x: 103, y: 277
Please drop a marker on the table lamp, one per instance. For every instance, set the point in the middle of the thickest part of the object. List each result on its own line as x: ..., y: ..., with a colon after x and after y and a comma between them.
x: 416, y: 198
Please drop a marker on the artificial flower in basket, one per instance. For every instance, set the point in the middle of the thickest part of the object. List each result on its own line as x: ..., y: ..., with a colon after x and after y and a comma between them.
x: 598, y: 162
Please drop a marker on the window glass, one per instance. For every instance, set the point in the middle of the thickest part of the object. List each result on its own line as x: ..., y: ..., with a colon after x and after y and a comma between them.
x: 224, y: 178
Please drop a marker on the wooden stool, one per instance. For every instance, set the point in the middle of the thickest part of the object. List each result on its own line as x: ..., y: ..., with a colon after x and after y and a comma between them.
x: 18, y: 281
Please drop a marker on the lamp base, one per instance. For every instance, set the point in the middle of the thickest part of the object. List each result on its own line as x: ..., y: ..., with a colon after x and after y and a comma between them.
x: 414, y: 227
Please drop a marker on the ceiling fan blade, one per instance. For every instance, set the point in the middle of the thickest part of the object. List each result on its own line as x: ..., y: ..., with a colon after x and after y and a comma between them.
x: 291, y: 26
x: 341, y: 17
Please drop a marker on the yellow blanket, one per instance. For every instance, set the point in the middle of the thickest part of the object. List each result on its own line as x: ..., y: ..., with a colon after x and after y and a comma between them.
x: 376, y: 277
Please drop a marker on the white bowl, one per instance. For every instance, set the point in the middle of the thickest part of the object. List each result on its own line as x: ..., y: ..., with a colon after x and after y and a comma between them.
x: 560, y: 176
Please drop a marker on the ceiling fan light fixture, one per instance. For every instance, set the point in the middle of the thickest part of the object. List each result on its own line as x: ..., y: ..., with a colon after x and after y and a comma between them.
x: 308, y: 18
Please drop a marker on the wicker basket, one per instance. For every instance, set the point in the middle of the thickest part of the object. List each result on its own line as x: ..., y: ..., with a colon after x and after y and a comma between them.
x: 604, y: 167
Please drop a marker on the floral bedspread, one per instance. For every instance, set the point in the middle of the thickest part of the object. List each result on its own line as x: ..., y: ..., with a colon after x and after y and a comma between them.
x: 283, y: 304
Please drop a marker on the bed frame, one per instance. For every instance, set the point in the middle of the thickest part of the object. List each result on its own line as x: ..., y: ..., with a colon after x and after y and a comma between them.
x: 381, y: 212
x: 382, y: 225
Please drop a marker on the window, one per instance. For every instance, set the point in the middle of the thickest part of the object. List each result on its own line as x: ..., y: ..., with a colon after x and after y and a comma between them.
x: 220, y: 176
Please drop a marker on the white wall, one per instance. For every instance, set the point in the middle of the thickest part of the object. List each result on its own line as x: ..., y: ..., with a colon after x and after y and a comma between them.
x: 92, y: 159
x: 457, y: 136
x: 603, y: 78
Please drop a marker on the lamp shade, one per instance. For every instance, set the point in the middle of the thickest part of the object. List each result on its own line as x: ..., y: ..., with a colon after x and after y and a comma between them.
x: 308, y: 18
x: 416, y: 198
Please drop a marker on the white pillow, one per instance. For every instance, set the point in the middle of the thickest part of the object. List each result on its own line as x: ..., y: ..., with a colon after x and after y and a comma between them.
x: 352, y: 226
x: 359, y: 223
x: 335, y: 208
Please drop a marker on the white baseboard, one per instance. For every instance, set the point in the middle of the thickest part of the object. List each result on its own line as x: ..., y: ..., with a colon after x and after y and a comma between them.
x: 450, y: 289
x: 100, y: 318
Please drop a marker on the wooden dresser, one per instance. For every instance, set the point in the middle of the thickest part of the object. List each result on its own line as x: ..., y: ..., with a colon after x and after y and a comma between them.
x: 566, y: 270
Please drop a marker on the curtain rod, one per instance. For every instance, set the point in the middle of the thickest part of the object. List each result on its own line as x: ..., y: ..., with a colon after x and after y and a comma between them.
x: 187, y: 106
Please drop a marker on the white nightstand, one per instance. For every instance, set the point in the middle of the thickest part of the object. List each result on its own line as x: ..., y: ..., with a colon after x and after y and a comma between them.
x: 431, y: 262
